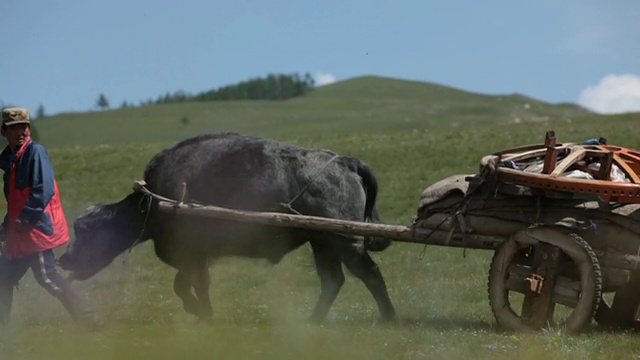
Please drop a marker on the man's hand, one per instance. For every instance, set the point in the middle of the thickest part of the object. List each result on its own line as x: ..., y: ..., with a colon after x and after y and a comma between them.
x: 20, y: 226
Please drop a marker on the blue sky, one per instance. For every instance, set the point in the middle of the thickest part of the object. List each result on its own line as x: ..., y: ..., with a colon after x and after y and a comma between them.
x: 63, y: 54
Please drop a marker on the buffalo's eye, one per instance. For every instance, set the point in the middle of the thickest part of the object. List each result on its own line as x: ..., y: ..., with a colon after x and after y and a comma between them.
x: 79, y: 228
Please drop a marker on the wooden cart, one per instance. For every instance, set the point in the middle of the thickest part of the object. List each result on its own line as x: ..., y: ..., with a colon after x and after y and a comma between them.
x: 558, y: 239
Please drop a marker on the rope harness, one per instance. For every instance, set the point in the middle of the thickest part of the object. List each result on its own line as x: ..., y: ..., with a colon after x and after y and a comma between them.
x: 457, y: 214
x: 144, y: 206
x: 288, y: 205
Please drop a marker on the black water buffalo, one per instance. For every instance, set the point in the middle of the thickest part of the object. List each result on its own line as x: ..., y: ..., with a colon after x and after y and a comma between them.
x: 240, y: 172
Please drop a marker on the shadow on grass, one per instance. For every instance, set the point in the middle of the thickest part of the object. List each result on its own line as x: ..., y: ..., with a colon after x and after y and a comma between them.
x: 448, y: 323
x: 433, y: 323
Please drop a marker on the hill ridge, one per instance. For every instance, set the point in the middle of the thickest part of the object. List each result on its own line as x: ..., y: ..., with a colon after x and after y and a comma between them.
x: 366, y: 103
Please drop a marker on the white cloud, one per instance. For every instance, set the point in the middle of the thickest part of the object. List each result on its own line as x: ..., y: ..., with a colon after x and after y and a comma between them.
x: 614, y: 94
x: 324, y: 79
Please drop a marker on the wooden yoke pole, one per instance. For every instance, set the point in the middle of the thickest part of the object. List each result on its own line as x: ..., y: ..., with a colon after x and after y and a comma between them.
x: 290, y: 220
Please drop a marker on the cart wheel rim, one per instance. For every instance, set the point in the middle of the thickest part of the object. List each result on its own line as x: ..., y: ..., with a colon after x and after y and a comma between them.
x: 577, y: 251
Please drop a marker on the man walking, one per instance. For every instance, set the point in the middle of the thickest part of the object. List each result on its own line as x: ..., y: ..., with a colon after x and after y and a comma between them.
x: 35, y: 223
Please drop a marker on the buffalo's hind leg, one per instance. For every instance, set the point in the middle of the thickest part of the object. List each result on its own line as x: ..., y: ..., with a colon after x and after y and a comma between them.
x: 365, y: 268
x: 331, y: 276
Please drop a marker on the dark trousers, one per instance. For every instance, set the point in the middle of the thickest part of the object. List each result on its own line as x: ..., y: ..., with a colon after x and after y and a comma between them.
x: 43, y: 266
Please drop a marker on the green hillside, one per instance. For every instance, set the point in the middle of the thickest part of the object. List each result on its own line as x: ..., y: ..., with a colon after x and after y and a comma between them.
x: 371, y: 104
x: 439, y: 104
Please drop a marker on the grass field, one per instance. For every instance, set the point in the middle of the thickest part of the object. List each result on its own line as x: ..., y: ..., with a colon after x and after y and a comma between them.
x: 261, y: 311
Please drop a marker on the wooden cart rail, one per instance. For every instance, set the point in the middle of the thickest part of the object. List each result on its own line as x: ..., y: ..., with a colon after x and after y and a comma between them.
x: 409, y: 234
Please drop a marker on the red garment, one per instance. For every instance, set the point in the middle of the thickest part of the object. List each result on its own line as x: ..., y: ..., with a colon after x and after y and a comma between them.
x: 32, y: 240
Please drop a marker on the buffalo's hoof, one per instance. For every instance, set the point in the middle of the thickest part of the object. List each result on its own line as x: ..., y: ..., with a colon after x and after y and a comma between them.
x: 191, y: 308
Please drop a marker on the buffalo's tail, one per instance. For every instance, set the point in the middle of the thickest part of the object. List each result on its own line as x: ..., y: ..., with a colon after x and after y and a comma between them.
x: 370, y: 185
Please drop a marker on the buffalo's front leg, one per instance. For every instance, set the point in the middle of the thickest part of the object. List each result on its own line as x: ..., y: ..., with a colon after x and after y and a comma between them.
x: 362, y: 265
x: 182, y: 288
x: 331, y: 276
x: 200, y: 280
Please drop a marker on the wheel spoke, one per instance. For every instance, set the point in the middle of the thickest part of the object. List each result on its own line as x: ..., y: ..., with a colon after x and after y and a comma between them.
x: 517, y: 285
x: 538, y: 305
x: 517, y: 278
x: 566, y: 292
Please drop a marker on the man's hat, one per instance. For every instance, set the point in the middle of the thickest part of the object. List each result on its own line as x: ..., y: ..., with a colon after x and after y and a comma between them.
x: 11, y: 116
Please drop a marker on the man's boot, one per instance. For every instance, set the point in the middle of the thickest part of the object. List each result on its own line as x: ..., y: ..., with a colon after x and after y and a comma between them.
x: 6, y: 298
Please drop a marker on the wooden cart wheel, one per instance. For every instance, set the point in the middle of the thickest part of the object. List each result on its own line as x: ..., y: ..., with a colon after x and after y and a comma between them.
x: 541, y: 268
